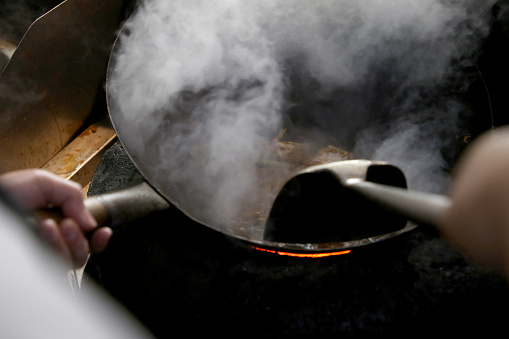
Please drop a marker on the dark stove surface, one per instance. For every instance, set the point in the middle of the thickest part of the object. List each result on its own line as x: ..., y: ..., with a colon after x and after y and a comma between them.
x: 176, y: 275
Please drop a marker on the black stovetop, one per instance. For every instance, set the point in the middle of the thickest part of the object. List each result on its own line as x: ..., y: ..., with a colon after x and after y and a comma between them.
x: 176, y: 275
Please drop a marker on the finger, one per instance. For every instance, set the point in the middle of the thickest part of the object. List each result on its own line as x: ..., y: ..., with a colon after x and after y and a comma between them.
x: 68, y: 196
x: 76, y: 242
x: 100, y: 239
x: 38, y: 188
x: 50, y: 232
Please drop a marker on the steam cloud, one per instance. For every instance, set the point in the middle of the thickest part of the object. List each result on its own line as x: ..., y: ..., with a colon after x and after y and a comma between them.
x: 209, y: 82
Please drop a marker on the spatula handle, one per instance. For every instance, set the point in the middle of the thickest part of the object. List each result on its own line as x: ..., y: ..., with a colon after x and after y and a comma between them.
x: 420, y: 207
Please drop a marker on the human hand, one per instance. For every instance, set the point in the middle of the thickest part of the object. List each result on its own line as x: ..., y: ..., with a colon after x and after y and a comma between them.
x: 478, y: 220
x: 34, y: 189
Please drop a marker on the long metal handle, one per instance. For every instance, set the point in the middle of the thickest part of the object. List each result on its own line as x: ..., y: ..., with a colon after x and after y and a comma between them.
x: 117, y: 208
x: 420, y: 207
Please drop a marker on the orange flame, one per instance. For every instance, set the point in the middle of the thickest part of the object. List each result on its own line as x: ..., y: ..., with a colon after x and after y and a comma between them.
x: 302, y: 255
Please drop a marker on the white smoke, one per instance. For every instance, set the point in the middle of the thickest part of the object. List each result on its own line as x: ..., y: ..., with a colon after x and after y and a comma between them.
x: 209, y: 82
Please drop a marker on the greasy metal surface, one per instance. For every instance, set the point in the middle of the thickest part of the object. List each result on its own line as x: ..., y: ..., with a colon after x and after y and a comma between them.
x: 77, y: 161
x: 49, y: 85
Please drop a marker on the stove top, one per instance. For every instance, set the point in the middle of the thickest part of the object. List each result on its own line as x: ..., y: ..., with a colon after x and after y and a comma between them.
x: 177, y: 275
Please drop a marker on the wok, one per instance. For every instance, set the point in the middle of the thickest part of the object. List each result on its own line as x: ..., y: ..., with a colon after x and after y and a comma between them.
x: 145, y: 145
x: 144, y: 136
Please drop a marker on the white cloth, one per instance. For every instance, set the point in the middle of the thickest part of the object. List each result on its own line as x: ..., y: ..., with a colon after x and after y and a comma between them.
x: 36, y: 300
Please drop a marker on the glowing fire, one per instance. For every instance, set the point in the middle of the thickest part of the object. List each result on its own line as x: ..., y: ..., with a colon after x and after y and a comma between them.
x: 302, y: 255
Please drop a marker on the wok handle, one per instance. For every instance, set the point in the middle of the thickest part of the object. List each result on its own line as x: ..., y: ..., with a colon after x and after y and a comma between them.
x: 117, y: 208
x: 420, y: 207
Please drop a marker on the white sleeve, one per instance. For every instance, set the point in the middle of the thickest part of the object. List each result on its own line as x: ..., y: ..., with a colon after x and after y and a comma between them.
x: 36, y: 300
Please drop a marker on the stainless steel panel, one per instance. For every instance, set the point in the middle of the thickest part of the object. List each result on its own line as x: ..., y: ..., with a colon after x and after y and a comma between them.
x: 49, y: 85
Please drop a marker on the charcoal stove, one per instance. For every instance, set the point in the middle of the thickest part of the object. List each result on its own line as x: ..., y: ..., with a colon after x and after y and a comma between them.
x: 177, y: 275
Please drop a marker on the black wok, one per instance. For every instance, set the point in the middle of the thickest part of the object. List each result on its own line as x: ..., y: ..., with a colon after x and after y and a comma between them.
x: 146, y: 147
x: 152, y: 136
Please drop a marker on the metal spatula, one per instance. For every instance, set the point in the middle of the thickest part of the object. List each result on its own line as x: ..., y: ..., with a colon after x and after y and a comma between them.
x: 349, y: 200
